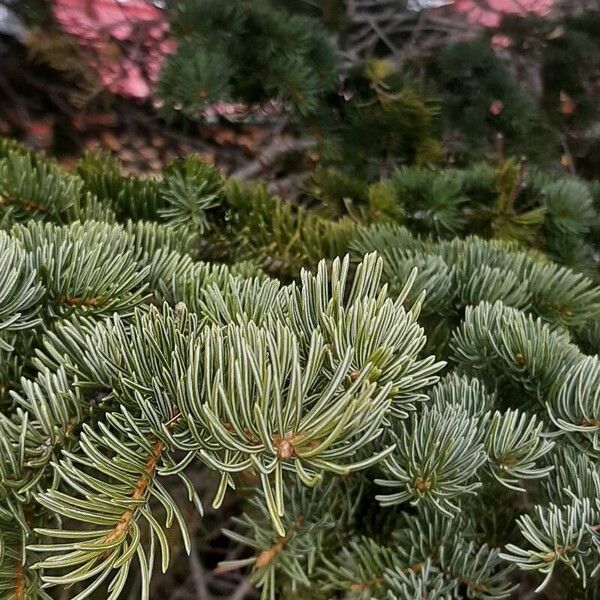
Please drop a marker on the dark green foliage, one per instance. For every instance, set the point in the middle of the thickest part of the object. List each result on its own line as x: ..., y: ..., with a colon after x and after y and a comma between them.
x: 546, y: 81
x: 31, y: 187
x: 464, y: 272
x: 229, y: 222
x: 470, y: 78
x: 256, y: 52
x: 379, y: 122
x: 194, y: 77
x: 538, y: 209
x: 249, y: 51
x: 188, y: 189
x: 265, y: 228
x: 568, y: 53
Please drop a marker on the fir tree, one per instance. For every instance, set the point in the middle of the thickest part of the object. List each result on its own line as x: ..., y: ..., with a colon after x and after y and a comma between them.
x: 380, y: 471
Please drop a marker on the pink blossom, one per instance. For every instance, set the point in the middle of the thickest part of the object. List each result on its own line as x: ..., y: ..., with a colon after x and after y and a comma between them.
x: 135, y: 84
x: 567, y: 105
x: 501, y: 41
x: 496, y: 107
x: 489, y: 13
x: 126, y: 42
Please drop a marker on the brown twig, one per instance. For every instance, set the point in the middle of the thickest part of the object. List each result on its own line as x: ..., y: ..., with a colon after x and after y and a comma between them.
x: 28, y: 204
x: 20, y: 586
x: 561, y: 550
x: 76, y: 301
x: 139, y: 491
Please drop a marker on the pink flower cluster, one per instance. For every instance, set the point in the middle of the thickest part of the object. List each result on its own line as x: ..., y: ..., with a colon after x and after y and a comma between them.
x: 127, y: 41
x: 489, y: 13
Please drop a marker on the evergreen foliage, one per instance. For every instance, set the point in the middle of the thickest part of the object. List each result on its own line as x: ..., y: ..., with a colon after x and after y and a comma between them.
x: 525, y: 87
x: 470, y: 78
x: 378, y: 470
x: 379, y: 121
x: 531, y: 80
x: 249, y: 51
x: 542, y: 210
x: 568, y: 55
x: 283, y: 56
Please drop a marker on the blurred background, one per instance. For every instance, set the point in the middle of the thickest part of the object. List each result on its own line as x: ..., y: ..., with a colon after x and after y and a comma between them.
x: 360, y: 86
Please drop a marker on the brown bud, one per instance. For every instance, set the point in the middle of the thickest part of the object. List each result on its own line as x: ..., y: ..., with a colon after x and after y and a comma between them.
x: 285, y: 450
